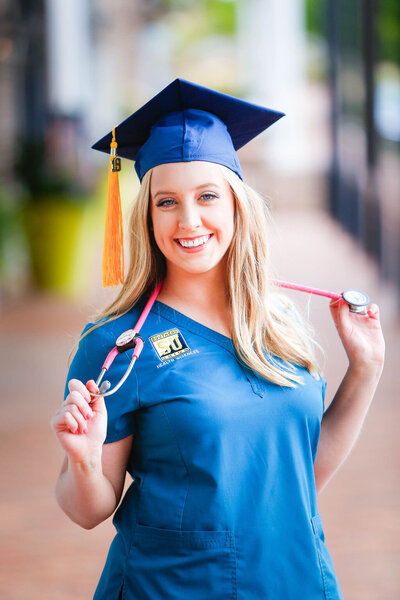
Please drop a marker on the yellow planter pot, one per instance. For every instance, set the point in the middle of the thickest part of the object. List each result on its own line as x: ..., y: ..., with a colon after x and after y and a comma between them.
x: 55, y: 234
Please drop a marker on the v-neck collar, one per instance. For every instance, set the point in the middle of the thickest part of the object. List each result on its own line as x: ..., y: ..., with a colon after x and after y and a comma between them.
x: 179, y: 318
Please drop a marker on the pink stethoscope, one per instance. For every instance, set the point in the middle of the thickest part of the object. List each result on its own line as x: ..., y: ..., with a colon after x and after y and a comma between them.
x: 356, y: 300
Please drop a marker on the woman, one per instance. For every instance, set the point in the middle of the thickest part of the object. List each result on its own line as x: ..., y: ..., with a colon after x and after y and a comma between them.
x: 222, y: 423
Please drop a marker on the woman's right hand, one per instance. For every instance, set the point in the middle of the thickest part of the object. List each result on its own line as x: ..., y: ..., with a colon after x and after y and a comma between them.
x: 80, y: 426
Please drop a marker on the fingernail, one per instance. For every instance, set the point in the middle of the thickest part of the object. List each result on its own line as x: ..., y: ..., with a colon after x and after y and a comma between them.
x: 85, y: 430
x: 88, y: 416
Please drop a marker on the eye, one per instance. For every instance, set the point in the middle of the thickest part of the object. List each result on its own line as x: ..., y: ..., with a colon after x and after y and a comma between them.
x: 208, y: 196
x: 166, y: 202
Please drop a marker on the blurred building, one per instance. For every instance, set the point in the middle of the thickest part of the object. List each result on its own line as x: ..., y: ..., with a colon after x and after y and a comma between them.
x: 67, y: 73
x: 70, y: 70
x: 71, y: 62
x: 364, y: 76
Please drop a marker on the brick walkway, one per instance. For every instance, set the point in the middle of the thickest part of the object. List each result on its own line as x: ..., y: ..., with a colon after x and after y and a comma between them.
x: 45, y: 556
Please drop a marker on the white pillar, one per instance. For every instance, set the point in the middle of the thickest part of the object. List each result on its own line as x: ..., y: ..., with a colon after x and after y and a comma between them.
x: 272, y: 43
x: 69, y: 56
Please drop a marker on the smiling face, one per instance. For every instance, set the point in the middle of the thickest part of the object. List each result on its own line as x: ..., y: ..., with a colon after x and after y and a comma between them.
x: 192, y: 210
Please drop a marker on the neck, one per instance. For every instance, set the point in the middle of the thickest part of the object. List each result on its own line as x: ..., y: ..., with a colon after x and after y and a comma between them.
x: 203, y: 291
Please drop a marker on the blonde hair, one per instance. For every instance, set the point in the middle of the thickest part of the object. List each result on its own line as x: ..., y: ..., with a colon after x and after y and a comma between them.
x: 265, y: 324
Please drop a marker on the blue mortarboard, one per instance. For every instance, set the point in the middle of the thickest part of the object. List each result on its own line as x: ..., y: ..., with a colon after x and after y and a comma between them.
x: 185, y: 122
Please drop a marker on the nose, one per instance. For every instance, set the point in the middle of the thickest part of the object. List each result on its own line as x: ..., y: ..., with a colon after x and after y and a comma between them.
x: 189, y: 217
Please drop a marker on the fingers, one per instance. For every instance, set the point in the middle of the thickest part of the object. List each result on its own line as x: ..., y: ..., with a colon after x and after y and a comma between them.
x: 80, y: 396
x: 336, y: 303
x: 91, y: 386
x: 70, y: 423
x: 76, y: 409
x: 79, y: 408
x: 373, y: 311
x: 69, y: 418
x: 76, y: 399
x: 78, y: 386
x: 97, y: 402
x: 340, y: 310
x: 74, y: 385
x: 74, y: 419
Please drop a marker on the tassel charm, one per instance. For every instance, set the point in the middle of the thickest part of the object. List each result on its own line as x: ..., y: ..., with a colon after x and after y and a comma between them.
x: 115, y: 160
x: 113, y: 250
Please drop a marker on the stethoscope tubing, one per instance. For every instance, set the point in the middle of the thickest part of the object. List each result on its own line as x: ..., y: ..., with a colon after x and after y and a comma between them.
x: 305, y: 288
x: 105, y: 391
x: 133, y: 334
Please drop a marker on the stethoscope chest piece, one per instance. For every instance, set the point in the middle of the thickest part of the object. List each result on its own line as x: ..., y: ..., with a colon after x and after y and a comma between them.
x: 357, y: 301
x: 126, y: 340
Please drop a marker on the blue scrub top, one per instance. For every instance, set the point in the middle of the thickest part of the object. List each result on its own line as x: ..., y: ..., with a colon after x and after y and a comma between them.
x: 223, y: 502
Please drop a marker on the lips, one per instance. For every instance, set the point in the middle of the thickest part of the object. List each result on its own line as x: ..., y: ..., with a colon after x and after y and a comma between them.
x: 194, y: 242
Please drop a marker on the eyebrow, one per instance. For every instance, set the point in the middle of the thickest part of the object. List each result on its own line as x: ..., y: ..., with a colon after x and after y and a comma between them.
x: 169, y: 193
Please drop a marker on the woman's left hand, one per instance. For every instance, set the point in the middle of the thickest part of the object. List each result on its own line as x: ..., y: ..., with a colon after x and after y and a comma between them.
x: 361, y: 334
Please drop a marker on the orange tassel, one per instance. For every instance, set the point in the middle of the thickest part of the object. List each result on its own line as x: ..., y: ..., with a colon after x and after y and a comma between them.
x: 113, y: 250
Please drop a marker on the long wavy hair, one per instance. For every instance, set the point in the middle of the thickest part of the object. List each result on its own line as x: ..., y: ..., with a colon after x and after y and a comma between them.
x: 265, y: 323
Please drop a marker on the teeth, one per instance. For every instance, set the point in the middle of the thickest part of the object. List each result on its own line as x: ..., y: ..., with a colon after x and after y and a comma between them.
x: 194, y: 243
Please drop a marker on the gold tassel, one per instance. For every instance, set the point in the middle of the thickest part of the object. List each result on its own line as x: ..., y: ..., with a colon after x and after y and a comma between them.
x: 113, y: 250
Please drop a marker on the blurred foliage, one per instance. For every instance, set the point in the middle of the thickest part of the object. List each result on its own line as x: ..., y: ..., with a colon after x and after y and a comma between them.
x: 12, y: 241
x: 219, y: 16
x: 315, y: 16
x: 350, y: 15
x: 222, y: 16
x: 9, y: 222
x: 389, y: 31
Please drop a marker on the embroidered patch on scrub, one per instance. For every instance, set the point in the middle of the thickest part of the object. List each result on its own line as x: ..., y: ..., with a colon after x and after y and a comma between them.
x: 169, y: 344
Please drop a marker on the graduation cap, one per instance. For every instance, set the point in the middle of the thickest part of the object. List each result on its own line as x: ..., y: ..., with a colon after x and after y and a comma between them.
x: 184, y: 122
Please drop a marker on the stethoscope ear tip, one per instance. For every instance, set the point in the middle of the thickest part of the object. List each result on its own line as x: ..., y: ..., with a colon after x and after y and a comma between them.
x: 104, y: 386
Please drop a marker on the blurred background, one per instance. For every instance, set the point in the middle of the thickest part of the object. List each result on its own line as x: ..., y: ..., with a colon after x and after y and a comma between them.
x: 330, y: 170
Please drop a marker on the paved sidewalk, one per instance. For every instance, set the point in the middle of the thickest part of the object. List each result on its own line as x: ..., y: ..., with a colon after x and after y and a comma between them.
x: 45, y: 556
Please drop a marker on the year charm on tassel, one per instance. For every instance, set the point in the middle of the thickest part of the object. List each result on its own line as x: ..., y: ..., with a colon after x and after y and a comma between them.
x: 115, y: 160
x: 115, y: 163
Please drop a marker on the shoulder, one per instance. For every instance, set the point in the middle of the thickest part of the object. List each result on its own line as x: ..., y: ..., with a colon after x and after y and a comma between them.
x: 98, y: 337
x: 96, y: 341
x: 113, y: 325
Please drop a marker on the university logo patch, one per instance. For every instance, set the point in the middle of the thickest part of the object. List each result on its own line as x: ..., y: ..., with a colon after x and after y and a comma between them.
x: 169, y: 343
